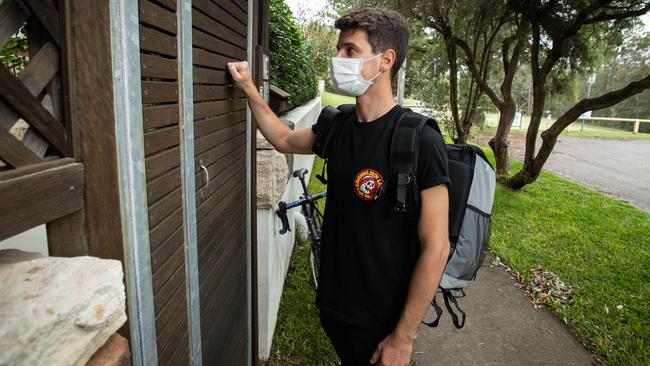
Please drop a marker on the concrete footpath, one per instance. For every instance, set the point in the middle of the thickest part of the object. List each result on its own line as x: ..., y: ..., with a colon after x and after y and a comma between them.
x: 502, y: 328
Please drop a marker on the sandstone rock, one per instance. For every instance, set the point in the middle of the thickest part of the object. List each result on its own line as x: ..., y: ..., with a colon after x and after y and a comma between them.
x: 114, y: 353
x: 262, y: 143
x: 272, y: 172
x: 58, y: 311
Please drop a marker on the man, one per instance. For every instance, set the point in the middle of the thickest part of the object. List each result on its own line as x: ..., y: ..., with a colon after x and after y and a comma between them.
x: 378, y: 272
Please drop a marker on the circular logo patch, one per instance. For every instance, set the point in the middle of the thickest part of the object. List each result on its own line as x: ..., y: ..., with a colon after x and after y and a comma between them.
x: 366, y: 184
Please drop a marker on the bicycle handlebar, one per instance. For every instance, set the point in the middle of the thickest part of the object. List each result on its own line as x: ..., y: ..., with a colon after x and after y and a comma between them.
x: 283, y: 207
x: 305, y: 198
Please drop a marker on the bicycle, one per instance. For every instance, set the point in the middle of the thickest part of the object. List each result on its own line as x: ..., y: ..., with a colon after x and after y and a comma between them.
x: 314, y: 218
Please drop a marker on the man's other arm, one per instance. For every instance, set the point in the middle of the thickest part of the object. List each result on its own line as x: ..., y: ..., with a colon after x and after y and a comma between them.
x: 277, y: 133
x: 434, y: 238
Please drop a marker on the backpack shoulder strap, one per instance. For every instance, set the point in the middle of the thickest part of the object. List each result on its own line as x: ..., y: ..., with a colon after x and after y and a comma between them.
x: 403, y: 161
x: 325, y: 128
x: 434, y: 124
x: 326, y: 125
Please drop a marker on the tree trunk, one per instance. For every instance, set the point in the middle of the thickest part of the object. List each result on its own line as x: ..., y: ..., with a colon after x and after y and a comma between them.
x: 499, y: 143
x: 453, y: 85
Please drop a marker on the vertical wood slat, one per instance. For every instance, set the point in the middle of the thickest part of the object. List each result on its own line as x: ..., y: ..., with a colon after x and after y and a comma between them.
x: 66, y: 236
x: 87, y: 75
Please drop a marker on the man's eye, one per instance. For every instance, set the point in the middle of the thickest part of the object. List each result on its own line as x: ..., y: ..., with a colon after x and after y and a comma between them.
x: 350, y: 50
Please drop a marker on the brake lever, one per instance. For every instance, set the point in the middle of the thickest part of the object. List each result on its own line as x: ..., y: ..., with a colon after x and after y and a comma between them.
x: 282, y: 214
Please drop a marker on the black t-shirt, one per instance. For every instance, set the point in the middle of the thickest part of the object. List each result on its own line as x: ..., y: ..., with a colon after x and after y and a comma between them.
x: 368, y: 251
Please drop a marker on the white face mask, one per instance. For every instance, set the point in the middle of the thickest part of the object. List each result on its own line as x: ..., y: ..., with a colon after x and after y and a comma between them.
x: 346, y: 75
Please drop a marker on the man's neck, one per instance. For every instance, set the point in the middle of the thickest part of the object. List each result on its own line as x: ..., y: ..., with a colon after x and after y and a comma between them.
x: 375, y: 103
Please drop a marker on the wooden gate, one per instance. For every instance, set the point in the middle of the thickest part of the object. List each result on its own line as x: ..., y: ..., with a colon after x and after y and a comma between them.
x: 219, y: 34
x: 185, y: 172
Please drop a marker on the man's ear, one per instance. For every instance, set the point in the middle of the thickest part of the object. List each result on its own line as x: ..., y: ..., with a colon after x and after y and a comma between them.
x: 388, y: 59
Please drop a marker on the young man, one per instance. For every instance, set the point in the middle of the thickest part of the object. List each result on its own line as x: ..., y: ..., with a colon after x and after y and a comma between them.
x: 378, y: 272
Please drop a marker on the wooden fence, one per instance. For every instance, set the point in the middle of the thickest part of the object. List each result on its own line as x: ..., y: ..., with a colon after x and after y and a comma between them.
x: 68, y: 167
x: 635, y: 129
x: 39, y: 184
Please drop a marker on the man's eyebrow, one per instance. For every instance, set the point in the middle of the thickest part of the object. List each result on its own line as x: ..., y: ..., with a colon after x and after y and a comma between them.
x: 338, y: 47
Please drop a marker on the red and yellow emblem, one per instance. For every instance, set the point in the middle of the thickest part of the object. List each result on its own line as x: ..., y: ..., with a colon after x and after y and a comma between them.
x: 366, y: 184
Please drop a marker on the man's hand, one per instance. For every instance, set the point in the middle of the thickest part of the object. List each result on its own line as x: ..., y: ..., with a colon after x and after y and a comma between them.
x: 393, y: 351
x: 241, y: 75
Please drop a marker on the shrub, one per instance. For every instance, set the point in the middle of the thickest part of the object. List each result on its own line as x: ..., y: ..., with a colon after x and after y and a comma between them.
x: 292, y: 69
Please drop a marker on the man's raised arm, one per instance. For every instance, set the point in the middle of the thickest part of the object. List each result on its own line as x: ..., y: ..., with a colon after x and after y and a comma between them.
x: 277, y: 133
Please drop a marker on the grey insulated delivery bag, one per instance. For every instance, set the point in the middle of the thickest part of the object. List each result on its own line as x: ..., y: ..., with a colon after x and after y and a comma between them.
x: 471, y: 195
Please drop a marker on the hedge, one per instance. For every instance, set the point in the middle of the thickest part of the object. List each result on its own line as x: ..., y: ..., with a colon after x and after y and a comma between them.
x: 291, y: 66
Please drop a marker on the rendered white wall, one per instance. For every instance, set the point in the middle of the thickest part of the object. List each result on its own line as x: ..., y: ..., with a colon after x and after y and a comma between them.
x: 274, y: 250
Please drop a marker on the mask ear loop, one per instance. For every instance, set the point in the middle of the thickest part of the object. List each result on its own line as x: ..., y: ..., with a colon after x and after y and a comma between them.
x: 371, y: 80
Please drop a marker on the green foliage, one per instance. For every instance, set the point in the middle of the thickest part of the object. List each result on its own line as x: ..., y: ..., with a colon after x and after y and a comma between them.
x: 14, y: 54
x: 629, y: 62
x: 323, y: 40
x: 292, y: 68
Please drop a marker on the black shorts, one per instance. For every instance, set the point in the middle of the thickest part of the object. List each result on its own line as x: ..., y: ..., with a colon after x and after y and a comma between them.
x: 353, y: 344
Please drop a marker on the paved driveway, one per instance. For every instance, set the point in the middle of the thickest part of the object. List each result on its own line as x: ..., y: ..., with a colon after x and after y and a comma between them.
x: 620, y: 169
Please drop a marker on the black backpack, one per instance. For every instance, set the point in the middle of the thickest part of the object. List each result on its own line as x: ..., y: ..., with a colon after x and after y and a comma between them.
x: 471, y: 195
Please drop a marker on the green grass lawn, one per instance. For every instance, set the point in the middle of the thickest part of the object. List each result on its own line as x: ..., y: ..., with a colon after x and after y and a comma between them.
x: 335, y: 100
x: 598, y: 246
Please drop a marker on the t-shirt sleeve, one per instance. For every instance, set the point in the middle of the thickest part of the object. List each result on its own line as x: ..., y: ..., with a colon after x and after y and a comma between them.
x: 433, y: 166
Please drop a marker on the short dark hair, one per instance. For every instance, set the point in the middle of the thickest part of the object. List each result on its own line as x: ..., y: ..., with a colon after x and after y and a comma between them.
x: 386, y: 29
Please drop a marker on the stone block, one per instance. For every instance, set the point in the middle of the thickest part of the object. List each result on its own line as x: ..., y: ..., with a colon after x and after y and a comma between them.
x: 272, y: 172
x: 58, y: 311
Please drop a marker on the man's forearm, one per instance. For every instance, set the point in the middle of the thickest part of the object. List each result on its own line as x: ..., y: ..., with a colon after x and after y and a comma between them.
x: 269, y: 124
x: 424, y: 283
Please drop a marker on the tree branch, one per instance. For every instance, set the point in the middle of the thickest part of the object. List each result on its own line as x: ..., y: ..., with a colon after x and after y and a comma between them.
x: 613, y: 16
x: 593, y: 104
x: 471, y: 63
